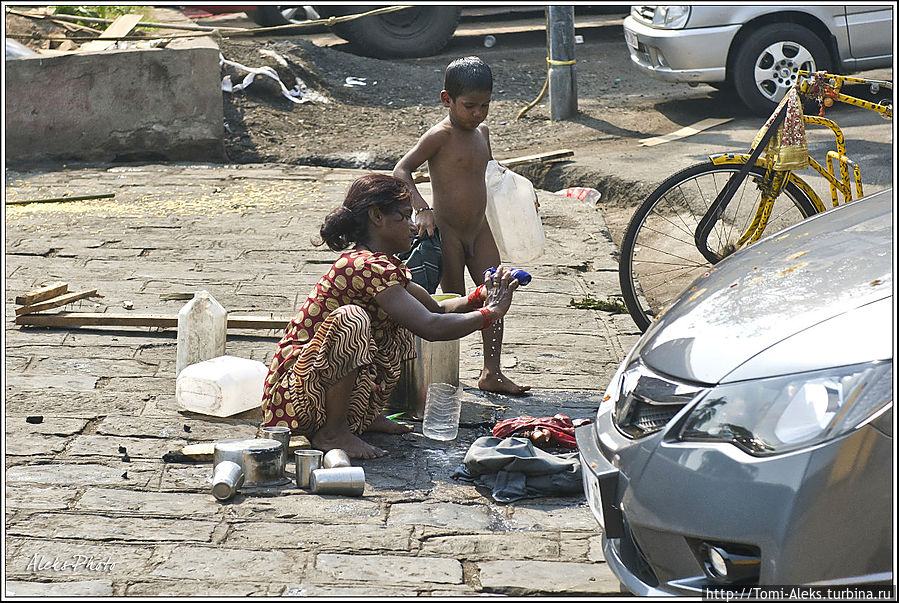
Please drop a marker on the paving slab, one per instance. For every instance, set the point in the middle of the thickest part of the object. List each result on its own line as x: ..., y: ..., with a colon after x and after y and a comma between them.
x: 543, y: 577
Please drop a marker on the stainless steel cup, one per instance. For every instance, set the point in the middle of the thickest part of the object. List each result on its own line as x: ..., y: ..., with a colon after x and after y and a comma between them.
x: 281, y: 434
x: 336, y: 458
x: 227, y: 480
x: 349, y: 481
x: 306, y: 462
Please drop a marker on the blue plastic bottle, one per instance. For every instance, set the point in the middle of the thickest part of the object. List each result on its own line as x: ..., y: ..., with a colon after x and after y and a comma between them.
x: 523, y: 277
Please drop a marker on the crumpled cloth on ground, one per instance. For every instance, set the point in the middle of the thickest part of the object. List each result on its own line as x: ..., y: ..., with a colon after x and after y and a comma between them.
x: 514, y: 469
x: 558, y: 429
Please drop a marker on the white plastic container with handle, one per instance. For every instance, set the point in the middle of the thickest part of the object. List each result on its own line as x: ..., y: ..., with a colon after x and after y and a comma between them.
x: 221, y: 387
x: 512, y: 215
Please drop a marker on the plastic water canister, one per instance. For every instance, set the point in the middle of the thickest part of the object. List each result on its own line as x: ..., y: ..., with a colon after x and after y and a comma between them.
x: 443, y: 406
x: 202, y: 330
x: 512, y: 215
x: 221, y: 387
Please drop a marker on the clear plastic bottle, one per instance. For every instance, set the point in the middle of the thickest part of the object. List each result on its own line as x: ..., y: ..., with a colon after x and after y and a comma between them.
x: 202, y: 330
x: 442, y: 408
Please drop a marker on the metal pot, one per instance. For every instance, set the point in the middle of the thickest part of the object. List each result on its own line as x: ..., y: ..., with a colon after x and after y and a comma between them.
x: 259, y: 458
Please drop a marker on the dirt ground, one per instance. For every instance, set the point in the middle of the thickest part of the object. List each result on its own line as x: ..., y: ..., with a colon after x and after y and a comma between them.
x: 372, y: 120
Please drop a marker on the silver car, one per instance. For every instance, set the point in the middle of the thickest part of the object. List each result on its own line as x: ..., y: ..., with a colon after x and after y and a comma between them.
x: 747, y: 438
x: 758, y: 49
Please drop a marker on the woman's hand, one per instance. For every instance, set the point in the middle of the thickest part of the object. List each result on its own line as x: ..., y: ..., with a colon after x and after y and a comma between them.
x: 500, y: 286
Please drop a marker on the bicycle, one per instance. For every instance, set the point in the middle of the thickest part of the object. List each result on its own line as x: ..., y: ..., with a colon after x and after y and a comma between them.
x: 708, y: 211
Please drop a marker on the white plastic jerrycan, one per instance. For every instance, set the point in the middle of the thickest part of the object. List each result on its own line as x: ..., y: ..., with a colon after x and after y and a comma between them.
x: 202, y: 330
x: 221, y: 387
x: 512, y: 215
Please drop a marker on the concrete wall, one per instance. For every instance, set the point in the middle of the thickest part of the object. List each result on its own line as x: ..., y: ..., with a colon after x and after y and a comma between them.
x: 117, y: 105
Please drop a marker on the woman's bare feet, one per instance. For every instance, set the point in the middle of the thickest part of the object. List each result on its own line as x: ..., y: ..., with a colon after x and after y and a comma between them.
x: 500, y: 384
x: 384, y: 425
x: 353, y: 445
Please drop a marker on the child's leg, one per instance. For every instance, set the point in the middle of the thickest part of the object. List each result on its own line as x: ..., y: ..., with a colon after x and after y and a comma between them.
x: 484, y: 255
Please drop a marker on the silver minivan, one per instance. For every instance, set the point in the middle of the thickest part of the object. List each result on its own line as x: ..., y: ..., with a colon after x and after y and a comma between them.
x: 757, y: 49
x: 747, y: 438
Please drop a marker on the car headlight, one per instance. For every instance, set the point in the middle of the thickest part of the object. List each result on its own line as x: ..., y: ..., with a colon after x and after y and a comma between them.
x: 671, y: 17
x: 771, y: 416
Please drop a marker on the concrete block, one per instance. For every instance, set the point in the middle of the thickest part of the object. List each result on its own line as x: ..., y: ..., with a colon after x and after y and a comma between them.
x: 218, y: 563
x: 138, y: 475
x: 386, y: 569
x: 330, y: 538
x: 73, y: 526
x: 35, y: 497
x: 484, y: 547
x: 68, y: 589
x: 175, y: 504
x: 547, y: 577
x: 467, y: 518
x: 117, y: 105
x: 46, y: 560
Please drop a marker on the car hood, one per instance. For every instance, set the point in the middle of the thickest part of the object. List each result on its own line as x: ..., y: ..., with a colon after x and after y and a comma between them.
x: 815, y: 295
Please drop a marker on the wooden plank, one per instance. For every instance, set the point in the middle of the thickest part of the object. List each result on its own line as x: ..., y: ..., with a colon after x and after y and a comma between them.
x: 96, y: 319
x: 61, y: 199
x: 696, y: 128
x: 421, y: 176
x: 55, y: 302
x: 101, y: 319
x: 205, y: 451
x: 551, y: 156
x: 120, y: 27
x: 45, y: 292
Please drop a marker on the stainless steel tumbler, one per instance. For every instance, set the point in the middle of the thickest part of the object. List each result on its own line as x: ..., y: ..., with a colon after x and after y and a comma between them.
x: 349, y: 481
x: 306, y: 462
x: 226, y: 480
x: 336, y: 458
x: 281, y: 434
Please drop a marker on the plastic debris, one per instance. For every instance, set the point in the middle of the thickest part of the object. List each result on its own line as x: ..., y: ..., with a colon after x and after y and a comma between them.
x: 297, y: 94
x: 587, y: 195
x: 351, y: 82
x: 489, y: 41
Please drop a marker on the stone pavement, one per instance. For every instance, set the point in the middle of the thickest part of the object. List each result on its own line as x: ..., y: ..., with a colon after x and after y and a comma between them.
x: 84, y: 518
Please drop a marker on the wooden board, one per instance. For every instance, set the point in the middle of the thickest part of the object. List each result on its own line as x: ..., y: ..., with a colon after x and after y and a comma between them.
x: 120, y: 27
x: 55, y: 302
x: 524, y: 160
x: 205, y: 451
x: 45, y: 292
x: 102, y: 319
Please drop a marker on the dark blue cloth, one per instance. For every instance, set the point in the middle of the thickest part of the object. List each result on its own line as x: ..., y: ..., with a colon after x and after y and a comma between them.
x: 425, y: 261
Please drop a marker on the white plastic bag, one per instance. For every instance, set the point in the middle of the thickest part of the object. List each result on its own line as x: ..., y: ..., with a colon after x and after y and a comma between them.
x: 512, y: 215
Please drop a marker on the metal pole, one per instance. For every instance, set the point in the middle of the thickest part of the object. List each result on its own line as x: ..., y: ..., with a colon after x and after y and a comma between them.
x: 562, y: 81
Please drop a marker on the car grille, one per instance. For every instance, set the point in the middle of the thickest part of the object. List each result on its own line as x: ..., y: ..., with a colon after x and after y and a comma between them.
x: 643, y: 13
x: 646, y: 418
x: 647, y: 401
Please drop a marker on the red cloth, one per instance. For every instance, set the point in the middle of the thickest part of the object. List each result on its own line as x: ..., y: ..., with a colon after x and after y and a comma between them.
x: 558, y: 429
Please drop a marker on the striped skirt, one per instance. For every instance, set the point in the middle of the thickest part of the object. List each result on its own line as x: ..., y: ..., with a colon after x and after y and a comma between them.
x: 295, y: 391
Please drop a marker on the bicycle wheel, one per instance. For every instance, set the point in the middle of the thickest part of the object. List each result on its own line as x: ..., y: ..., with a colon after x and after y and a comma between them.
x: 659, y: 257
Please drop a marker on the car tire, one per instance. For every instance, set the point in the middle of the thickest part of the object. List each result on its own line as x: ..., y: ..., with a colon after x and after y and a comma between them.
x: 273, y: 16
x: 422, y: 30
x: 766, y: 63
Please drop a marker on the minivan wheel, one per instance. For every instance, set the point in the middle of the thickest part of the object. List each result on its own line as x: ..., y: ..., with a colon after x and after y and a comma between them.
x: 766, y: 64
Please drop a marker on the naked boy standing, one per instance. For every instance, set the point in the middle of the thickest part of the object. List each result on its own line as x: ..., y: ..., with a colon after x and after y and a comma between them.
x: 457, y: 150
